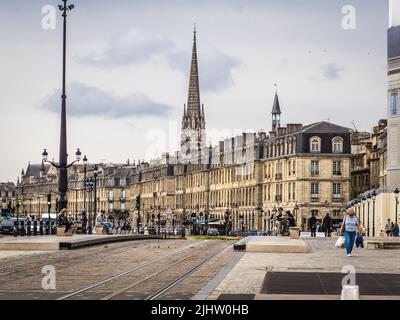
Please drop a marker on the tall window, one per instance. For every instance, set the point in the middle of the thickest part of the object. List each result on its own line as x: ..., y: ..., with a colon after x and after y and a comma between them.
x: 336, y: 213
x: 394, y: 109
x: 294, y: 191
x: 337, y: 168
x: 315, y: 144
x: 314, y: 190
x: 336, y: 190
x: 337, y: 145
x: 314, y: 168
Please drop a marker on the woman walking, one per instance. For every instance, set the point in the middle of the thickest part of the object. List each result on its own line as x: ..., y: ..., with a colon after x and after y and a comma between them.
x: 350, y: 227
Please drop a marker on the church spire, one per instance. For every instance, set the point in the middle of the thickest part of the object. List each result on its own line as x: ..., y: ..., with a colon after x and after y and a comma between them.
x: 193, y: 121
x: 276, y: 112
x: 193, y: 103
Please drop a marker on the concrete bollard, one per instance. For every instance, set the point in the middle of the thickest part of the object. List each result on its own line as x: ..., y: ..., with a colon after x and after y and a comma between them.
x: 350, y: 293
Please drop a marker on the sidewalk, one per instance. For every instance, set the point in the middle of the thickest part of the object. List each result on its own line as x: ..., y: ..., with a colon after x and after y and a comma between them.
x: 253, y: 273
x: 55, y: 243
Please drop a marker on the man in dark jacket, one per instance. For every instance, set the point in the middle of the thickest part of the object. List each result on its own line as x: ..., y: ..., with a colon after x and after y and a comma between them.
x: 312, y: 224
x: 327, y: 225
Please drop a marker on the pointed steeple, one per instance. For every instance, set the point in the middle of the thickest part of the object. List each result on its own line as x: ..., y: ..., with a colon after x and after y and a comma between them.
x: 193, y: 103
x: 276, y: 112
x: 193, y: 120
x: 276, y: 108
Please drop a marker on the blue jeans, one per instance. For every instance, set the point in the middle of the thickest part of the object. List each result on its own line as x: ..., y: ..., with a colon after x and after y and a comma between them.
x: 349, y: 237
x: 106, y: 226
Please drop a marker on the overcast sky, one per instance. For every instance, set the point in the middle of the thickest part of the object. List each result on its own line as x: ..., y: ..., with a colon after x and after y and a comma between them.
x: 128, y: 64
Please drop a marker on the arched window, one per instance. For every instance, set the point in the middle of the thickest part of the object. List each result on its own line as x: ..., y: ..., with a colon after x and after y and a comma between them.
x: 337, y: 145
x: 315, y: 144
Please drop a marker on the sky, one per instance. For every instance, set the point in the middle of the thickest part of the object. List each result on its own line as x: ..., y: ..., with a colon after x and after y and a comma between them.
x: 128, y: 63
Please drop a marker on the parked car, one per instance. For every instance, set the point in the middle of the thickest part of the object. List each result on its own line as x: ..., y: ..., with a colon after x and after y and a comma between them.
x: 7, y: 224
x: 212, y: 232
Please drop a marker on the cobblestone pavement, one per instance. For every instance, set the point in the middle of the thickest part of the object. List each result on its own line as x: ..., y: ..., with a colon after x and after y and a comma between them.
x: 248, y: 274
x: 21, y: 277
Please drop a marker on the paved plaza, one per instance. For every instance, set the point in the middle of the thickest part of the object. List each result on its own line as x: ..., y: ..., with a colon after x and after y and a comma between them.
x: 249, y: 273
x: 211, y: 270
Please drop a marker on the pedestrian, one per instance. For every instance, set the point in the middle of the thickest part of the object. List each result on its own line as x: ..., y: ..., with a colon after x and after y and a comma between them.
x: 396, y: 230
x: 292, y: 220
x: 349, y: 229
x: 312, y: 224
x: 388, y: 228
x: 84, y: 221
x: 327, y: 225
x: 391, y: 234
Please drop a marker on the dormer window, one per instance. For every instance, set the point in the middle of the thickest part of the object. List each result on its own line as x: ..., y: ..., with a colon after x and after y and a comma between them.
x: 337, y: 145
x: 315, y: 144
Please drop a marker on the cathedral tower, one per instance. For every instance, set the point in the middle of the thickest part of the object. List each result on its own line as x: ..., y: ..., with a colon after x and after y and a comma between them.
x: 193, y: 121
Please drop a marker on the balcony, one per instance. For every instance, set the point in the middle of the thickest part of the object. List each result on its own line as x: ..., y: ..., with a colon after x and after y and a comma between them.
x: 278, y: 176
x: 110, y: 199
x: 315, y: 173
x: 315, y: 198
x: 278, y: 198
x: 122, y: 199
x: 337, y: 198
x: 337, y: 173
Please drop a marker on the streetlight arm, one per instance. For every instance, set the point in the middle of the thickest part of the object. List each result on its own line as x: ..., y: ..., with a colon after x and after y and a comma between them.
x: 53, y: 164
x: 71, y: 164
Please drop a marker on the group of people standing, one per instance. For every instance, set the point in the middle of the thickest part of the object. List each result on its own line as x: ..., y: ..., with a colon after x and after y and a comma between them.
x: 391, y: 229
x: 314, y: 225
x: 108, y: 223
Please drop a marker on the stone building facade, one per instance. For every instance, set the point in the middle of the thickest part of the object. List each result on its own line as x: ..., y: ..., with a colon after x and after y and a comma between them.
x: 240, y: 182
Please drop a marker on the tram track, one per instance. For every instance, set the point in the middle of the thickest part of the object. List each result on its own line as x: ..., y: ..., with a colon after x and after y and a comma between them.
x: 150, y: 274
x: 62, y: 262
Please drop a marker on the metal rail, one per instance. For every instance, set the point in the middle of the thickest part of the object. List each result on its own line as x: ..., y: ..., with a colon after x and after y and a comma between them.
x: 184, y: 276
x: 141, y: 266
x: 132, y: 285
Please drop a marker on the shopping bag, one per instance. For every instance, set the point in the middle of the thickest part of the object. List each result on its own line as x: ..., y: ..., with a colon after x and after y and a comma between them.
x: 340, y: 242
x: 359, y: 241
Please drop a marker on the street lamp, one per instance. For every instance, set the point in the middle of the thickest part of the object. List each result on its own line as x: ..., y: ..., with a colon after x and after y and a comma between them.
x: 49, y: 209
x: 63, y: 160
x: 85, y: 163
x: 95, y: 174
x: 396, y: 197
x: 63, y: 177
x: 373, y: 212
x: 368, y: 204
x: 364, y: 200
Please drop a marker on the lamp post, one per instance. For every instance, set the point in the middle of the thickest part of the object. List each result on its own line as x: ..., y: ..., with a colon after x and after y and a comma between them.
x: 18, y: 229
x: 274, y: 212
x: 63, y: 177
x: 85, y: 163
x: 63, y: 166
x: 373, y: 212
x: 260, y: 218
x: 368, y: 205
x: 49, y: 210
x: 95, y: 174
x: 89, y: 186
x: 396, y: 197
x: 364, y: 200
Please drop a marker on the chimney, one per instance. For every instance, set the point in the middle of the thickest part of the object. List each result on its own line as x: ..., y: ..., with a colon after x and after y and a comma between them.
x: 281, y: 131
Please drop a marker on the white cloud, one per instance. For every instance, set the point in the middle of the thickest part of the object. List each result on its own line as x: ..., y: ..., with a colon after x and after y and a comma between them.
x: 84, y: 100
x: 138, y: 47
